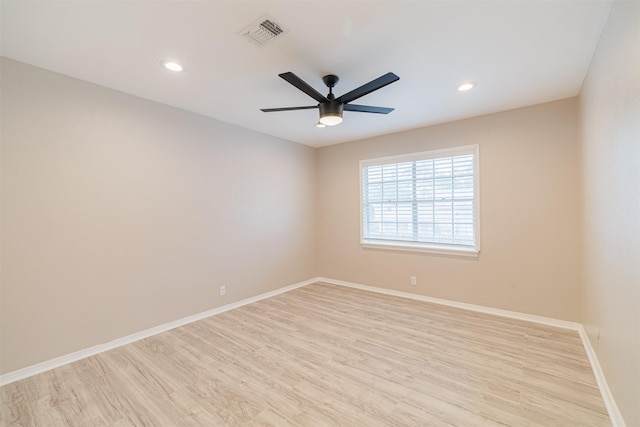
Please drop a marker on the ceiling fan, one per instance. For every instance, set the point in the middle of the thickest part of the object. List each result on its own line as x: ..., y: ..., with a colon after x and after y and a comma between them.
x: 330, y: 107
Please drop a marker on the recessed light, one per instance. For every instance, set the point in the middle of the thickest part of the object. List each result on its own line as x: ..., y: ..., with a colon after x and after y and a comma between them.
x: 466, y: 86
x: 171, y: 65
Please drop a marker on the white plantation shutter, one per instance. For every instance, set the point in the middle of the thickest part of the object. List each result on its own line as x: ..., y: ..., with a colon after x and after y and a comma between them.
x: 422, y: 200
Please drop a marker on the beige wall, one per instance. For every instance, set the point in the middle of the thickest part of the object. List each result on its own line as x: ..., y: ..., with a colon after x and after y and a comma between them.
x: 529, y: 207
x: 120, y: 214
x: 610, y: 124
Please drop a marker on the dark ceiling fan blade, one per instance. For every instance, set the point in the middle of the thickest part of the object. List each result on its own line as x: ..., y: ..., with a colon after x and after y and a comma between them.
x: 367, y: 109
x: 376, y: 84
x: 303, y: 86
x: 271, y: 110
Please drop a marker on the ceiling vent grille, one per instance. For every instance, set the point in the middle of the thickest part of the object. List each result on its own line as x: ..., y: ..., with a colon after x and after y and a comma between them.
x: 263, y: 31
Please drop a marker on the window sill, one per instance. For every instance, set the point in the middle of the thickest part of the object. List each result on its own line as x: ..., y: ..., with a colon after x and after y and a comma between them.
x: 421, y: 247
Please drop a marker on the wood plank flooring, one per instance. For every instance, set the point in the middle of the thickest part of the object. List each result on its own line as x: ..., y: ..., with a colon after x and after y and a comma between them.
x: 325, y: 355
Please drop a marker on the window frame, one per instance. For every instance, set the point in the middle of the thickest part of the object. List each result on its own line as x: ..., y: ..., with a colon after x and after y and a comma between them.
x: 428, y: 247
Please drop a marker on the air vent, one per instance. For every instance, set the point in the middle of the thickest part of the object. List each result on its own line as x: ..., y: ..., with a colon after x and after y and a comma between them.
x: 263, y: 31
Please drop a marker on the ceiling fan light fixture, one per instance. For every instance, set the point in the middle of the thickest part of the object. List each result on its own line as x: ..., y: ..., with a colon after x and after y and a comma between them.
x: 330, y: 120
x: 330, y: 113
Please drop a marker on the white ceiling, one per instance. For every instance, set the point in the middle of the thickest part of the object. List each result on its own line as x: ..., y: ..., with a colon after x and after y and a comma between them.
x: 520, y: 53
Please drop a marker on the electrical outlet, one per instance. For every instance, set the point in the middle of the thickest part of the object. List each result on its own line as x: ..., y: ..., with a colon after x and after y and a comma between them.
x: 223, y: 291
x: 413, y: 281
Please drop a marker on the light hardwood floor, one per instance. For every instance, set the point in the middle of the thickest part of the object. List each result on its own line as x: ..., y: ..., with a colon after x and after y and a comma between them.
x: 325, y: 355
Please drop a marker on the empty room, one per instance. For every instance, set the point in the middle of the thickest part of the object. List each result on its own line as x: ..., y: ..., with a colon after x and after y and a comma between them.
x: 320, y: 213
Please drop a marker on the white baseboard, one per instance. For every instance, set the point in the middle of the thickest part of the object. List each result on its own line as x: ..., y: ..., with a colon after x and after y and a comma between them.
x: 609, y: 402
x: 607, y: 397
x: 479, y: 308
x: 612, y: 408
x: 92, y: 351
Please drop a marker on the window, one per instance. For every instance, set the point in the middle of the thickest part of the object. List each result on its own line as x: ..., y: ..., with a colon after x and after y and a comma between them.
x: 422, y: 201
